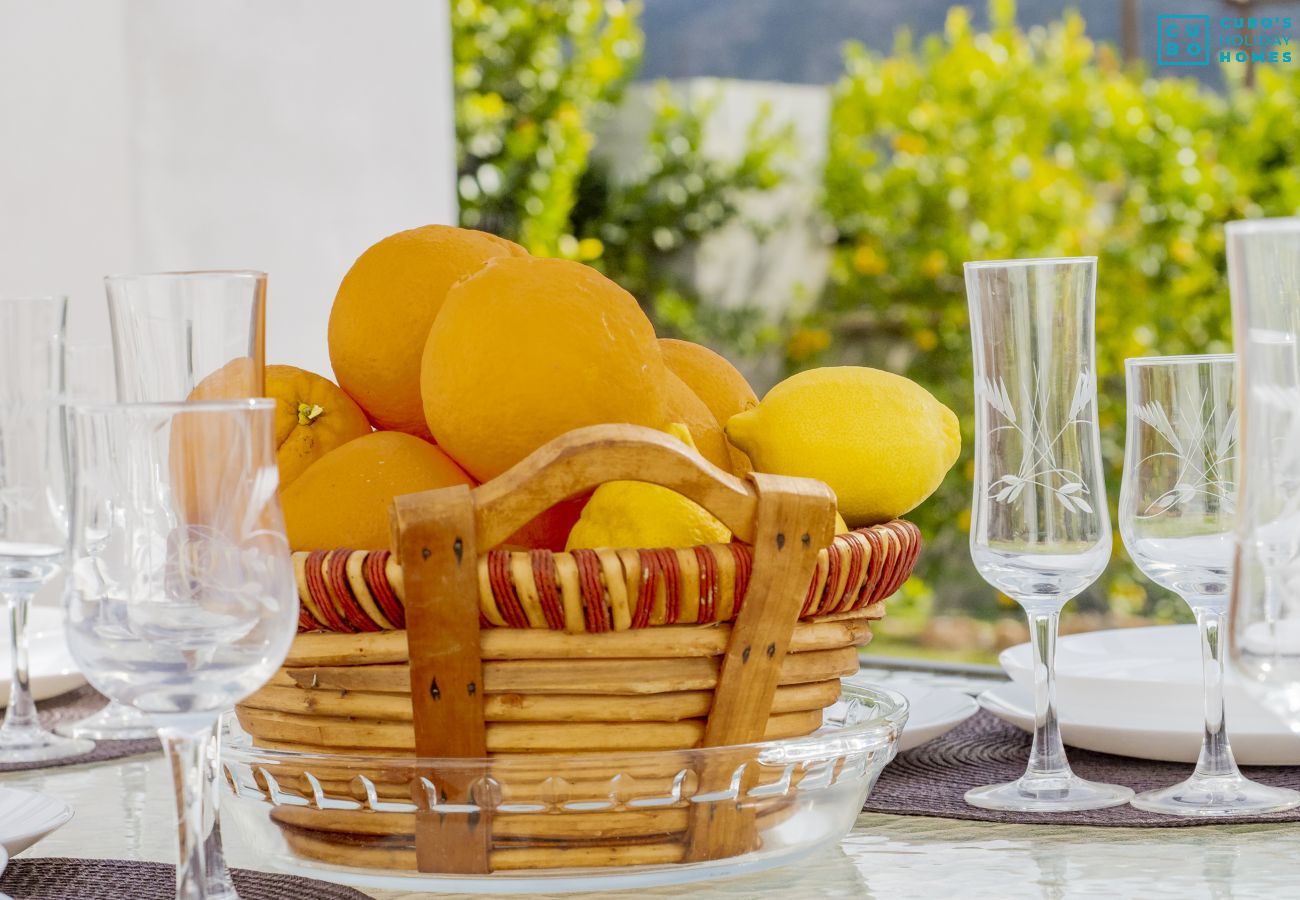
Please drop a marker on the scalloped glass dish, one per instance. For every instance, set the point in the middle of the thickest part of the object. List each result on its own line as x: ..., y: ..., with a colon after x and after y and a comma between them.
x: 564, y: 822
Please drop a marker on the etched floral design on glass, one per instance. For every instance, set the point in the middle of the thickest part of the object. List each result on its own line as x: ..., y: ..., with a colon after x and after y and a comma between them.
x: 1039, y: 465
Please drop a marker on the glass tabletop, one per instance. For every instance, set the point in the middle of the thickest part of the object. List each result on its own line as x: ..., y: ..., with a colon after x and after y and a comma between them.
x: 124, y: 810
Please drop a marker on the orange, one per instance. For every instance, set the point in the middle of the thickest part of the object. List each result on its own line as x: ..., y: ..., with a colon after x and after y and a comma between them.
x: 550, y: 530
x: 527, y: 349
x: 717, y: 383
x: 342, y: 499
x: 689, y: 410
x: 714, y: 380
x: 383, y: 310
x: 312, y: 417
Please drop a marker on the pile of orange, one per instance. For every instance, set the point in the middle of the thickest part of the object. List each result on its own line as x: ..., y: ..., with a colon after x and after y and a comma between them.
x: 466, y: 354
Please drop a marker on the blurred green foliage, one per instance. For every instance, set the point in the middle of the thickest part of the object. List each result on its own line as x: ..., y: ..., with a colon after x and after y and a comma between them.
x: 967, y: 145
x: 1015, y: 143
x: 534, y: 82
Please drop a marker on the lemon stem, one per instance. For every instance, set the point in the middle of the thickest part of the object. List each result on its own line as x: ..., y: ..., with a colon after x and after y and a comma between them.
x: 308, y: 413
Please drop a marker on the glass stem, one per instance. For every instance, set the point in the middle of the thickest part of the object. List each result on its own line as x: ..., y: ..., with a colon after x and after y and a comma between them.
x: 21, y: 712
x: 219, y: 882
x: 186, y: 750
x: 1047, y: 757
x: 1216, y: 754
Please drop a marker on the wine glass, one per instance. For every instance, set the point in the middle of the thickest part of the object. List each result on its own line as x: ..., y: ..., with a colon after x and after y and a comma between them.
x: 182, y: 336
x: 1177, y: 510
x: 1040, y: 527
x: 181, y: 597
x: 1264, y: 618
x: 90, y: 377
x: 33, y: 516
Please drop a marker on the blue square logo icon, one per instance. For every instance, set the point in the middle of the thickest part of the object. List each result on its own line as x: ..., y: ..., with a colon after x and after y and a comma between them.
x: 1183, y: 40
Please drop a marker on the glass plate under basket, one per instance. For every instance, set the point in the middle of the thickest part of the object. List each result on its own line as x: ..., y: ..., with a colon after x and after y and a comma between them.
x: 350, y: 819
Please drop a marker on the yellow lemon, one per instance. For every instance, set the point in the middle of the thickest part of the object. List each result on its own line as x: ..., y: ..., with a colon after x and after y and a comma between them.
x: 635, y: 514
x: 881, y: 441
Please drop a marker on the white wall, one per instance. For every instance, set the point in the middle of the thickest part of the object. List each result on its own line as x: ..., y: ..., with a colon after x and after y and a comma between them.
x: 138, y: 135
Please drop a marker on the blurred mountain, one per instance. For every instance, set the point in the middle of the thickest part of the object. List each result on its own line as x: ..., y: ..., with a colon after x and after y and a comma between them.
x: 799, y: 41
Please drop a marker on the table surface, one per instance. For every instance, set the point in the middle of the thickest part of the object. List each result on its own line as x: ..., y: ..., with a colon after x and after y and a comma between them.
x: 125, y: 811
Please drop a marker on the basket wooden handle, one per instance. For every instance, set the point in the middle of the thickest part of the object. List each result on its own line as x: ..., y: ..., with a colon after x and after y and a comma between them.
x: 586, y: 458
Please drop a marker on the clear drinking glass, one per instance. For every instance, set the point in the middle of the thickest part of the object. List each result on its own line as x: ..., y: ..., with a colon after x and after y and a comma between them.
x: 1264, y: 622
x: 1040, y: 527
x: 90, y: 377
x: 33, y: 513
x: 1177, y: 511
x: 173, y: 330
x: 182, y: 336
x: 181, y: 597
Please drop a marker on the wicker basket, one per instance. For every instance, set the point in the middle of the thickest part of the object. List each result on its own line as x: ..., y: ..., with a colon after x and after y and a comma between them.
x: 439, y: 650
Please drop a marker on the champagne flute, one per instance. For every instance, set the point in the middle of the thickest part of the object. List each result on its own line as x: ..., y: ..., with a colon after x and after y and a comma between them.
x: 1177, y: 509
x: 181, y: 336
x: 181, y: 599
x: 33, y: 516
x: 1264, y: 618
x: 1040, y: 529
x: 91, y: 378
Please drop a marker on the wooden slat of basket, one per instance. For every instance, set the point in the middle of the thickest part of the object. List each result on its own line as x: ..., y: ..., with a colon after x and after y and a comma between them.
x: 589, y: 676
x: 669, y: 641
x: 387, y: 855
x: 669, y: 707
x: 350, y: 734
x: 585, y: 826
x: 396, y: 853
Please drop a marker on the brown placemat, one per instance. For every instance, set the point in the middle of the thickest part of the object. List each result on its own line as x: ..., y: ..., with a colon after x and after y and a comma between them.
x: 931, y: 780
x: 78, y: 704
x: 60, y: 878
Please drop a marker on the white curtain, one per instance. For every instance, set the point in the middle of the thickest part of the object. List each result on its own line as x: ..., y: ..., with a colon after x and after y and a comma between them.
x: 138, y: 135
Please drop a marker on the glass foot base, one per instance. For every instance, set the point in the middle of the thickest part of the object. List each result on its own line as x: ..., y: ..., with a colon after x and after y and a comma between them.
x: 1224, y: 795
x: 114, y: 722
x: 20, y: 745
x: 1069, y: 793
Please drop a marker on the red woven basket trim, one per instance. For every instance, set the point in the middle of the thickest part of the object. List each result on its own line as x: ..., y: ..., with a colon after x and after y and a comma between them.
x: 374, y: 571
x: 649, y: 584
x: 908, y: 537
x: 834, y: 564
x: 336, y: 579
x: 857, y: 572
x: 811, y: 597
x: 548, y: 593
x: 708, y: 565
x: 320, y: 594
x: 876, y: 565
x: 589, y: 588
x: 743, y: 555
x: 671, y: 576
x: 307, y: 621
x: 503, y: 589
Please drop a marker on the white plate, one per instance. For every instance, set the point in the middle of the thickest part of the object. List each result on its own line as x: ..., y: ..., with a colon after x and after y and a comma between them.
x: 50, y: 665
x: 932, y: 711
x: 26, y: 817
x: 1159, y: 733
x: 1157, y: 671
